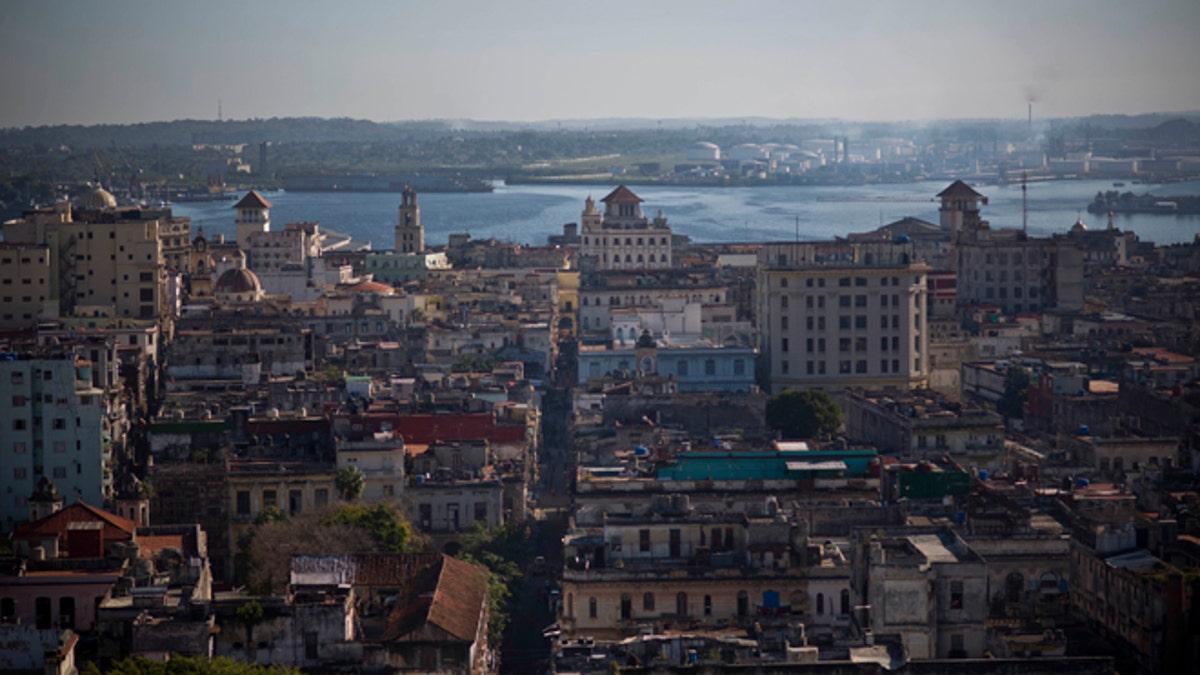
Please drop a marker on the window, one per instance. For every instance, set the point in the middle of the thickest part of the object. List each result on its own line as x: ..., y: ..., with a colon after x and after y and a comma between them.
x: 860, y: 281
x: 243, y: 502
x: 708, y: 605
x: 956, y: 595
x: 19, y: 473
x: 860, y: 366
x: 648, y: 602
x: 681, y: 367
x: 843, y: 301
x: 809, y: 368
x: 710, y: 367
x: 481, y: 512
x: 43, y: 609
x: 626, y: 606
x: 860, y: 322
x: 845, y: 601
x: 739, y: 367
x: 321, y: 497
x: 860, y: 301
x: 844, y: 281
x: 808, y: 345
x: 843, y: 323
x: 681, y: 604
x: 844, y: 345
x: 311, y: 645
x: 644, y: 541
x: 60, y: 472
x: 844, y: 367
x: 783, y: 366
x: 591, y: 608
x: 860, y: 345
x: 783, y: 302
x: 783, y: 345
x: 269, y: 499
x: 820, y: 603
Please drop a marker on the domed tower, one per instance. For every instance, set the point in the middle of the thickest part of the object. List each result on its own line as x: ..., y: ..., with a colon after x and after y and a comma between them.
x: 253, y: 215
x: 238, y: 286
x: 410, y: 236
x: 133, y: 499
x: 98, y: 199
x: 45, y: 500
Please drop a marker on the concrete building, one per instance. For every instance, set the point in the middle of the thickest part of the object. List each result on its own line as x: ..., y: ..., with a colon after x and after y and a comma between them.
x: 1007, y: 267
x: 53, y: 423
x: 839, y: 314
x: 25, y: 290
x: 253, y: 215
x: 929, y: 589
x: 923, y: 425
x: 622, y: 238
x: 103, y: 258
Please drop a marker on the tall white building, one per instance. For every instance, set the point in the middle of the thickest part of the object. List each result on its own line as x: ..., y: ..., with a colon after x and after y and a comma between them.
x: 622, y: 238
x: 836, y: 314
x: 253, y: 215
x: 52, y: 423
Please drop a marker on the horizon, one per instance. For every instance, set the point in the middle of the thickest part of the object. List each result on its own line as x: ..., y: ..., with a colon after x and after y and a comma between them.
x: 134, y: 62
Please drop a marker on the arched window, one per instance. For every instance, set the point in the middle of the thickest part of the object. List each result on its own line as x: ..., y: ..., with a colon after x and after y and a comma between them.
x: 591, y: 608
x: 626, y: 606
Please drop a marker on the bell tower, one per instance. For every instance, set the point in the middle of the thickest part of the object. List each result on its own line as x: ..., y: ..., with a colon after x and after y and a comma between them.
x: 410, y: 235
x: 253, y: 215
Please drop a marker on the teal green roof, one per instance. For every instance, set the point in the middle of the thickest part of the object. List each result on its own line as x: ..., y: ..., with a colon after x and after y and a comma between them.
x: 767, y: 465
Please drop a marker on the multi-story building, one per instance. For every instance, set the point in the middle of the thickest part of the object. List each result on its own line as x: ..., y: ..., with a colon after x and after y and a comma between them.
x: 839, y: 314
x: 272, y: 251
x: 53, y: 422
x: 622, y: 238
x: 25, y: 290
x: 923, y: 425
x: 1007, y: 267
x: 103, y: 258
x: 253, y: 215
x: 929, y: 589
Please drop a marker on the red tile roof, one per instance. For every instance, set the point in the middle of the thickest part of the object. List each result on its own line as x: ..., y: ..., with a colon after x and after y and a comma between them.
x: 622, y: 195
x: 252, y: 200
x: 56, y: 524
x: 451, y: 596
x: 959, y: 189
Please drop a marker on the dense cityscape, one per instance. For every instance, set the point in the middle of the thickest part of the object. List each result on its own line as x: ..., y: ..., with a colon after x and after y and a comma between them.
x: 457, y: 338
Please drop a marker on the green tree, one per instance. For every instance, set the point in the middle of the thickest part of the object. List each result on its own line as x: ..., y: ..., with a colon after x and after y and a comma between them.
x: 387, y: 526
x: 250, y: 615
x: 188, y: 665
x: 1016, y: 392
x: 505, y: 551
x: 350, y: 483
x: 803, y: 413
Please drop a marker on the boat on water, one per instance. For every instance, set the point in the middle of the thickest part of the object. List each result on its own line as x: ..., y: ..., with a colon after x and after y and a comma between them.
x: 385, y: 183
x: 1118, y: 184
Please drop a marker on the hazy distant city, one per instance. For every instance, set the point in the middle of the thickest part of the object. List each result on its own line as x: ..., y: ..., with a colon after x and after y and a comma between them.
x: 646, y: 338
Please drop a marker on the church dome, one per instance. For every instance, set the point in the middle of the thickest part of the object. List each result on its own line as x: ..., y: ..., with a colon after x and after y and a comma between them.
x: 98, y: 199
x: 238, y: 281
x: 1079, y: 226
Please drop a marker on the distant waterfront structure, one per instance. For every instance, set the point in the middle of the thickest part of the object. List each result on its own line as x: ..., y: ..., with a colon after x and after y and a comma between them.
x: 703, y: 151
x: 410, y: 235
x: 253, y: 215
x: 622, y: 238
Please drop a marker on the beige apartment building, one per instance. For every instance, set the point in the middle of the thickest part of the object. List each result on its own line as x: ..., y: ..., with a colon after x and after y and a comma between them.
x: 25, y: 294
x: 102, y: 258
x: 623, y: 238
x: 839, y: 314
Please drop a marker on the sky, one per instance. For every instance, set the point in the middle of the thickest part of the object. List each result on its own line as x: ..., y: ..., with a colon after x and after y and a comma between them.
x: 128, y: 61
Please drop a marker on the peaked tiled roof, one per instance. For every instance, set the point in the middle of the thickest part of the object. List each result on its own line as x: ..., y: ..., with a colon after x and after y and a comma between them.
x: 450, y: 596
x: 622, y: 195
x: 116, y: 528
x: 959, y: 189
x: 252, y: 200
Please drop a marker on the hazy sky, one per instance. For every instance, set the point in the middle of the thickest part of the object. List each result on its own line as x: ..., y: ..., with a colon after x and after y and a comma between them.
x: 125, y: 61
